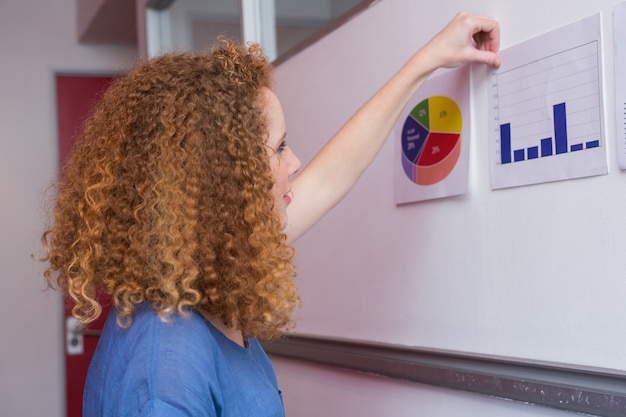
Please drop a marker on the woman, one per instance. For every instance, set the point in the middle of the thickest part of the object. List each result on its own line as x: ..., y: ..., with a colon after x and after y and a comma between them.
x: 177, y: 202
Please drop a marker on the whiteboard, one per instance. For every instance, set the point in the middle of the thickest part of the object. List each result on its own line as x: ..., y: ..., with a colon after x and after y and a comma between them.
x: 535, y: 272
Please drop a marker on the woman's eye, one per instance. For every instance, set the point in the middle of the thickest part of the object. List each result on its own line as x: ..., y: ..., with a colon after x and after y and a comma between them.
x: 282, y: 146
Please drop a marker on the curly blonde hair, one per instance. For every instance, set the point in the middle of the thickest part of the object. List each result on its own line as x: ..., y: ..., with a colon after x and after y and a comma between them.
x: 166, y: 198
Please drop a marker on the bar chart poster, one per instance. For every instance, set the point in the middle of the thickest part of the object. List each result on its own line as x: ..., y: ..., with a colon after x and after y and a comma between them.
x: 432, y: 136
x: 619, y: 27
x: 545, y: 108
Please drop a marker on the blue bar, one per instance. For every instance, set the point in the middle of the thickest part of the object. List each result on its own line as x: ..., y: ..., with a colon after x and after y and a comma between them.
x: 560, y: 128
x: 505, y: 143
x: 533, y: 152
x: 577, y: 147
x: 546, y: 147
x: 592, y: 144
x: 518, y: 155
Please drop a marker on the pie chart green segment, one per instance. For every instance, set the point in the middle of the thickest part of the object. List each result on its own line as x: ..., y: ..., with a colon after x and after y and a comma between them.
x: 431, y: 140
x: 420, y: 114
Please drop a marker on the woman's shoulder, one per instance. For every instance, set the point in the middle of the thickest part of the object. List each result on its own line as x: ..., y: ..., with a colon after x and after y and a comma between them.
x: 155, y: 349
x: 152, y: 362
x: 184, y: 362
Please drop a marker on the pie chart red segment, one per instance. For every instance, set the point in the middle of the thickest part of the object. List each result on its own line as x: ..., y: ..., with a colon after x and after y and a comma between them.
x: 437, y: 147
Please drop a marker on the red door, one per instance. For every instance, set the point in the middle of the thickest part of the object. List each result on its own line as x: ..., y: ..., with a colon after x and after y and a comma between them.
x: 76, y: 96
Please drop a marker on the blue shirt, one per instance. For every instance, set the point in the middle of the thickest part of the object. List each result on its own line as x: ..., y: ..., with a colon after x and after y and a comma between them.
x: 183, y: 368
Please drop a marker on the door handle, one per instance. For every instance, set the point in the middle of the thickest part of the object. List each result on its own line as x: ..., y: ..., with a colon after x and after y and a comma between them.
x: 74, y: 336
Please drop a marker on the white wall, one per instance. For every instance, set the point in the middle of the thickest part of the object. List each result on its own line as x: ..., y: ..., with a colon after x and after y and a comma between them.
x: 37, y: 39
x: 477, y: 273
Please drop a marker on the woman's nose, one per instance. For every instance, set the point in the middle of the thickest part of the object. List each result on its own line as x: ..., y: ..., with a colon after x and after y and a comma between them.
x: 294, y: 164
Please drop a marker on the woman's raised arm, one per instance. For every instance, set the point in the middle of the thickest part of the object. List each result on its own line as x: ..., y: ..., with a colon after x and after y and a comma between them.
x: 339, y: 164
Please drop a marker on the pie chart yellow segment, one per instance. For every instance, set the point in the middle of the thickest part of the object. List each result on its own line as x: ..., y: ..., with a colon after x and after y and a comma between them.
x: 445, y: 115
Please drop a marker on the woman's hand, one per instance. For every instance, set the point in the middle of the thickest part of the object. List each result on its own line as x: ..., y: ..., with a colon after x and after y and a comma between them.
x: 467, y: 38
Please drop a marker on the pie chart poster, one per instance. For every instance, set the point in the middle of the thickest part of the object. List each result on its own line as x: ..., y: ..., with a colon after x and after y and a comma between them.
x: 432, y: 140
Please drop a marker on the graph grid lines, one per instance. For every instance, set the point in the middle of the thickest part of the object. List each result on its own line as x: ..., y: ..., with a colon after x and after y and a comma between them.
x: 550, y: 106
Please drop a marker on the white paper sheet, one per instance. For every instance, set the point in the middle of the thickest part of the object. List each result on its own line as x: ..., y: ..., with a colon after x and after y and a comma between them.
x: 432, y: 140
x: 545, y: 108
x: 619, y: 28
